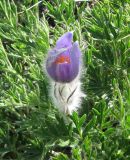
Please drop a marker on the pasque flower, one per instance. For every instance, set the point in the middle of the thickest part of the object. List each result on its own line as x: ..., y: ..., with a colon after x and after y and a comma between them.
x: 63, y: 66
x: 63, y: 61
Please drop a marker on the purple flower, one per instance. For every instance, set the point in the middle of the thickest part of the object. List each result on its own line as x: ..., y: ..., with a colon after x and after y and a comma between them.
x: 63, y: 62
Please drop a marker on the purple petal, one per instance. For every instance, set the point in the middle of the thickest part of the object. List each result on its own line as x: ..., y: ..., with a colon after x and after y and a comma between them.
x: 75, y: 52
x: 75, y: 58
x: 65, y: 41
x: 51, y: 69
x: 63, y: 72
x: 59, y: 72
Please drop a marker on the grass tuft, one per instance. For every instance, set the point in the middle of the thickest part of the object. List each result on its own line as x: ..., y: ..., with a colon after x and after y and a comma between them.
x: 30, y: 126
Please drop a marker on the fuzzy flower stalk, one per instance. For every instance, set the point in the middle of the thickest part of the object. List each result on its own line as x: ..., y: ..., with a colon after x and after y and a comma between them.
x: 63, y: 66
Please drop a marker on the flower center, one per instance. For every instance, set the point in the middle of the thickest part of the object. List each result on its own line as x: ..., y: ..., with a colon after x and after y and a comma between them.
x: 62, y: 59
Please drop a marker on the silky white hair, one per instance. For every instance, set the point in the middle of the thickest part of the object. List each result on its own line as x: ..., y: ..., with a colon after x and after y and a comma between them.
x: 66, y: 96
